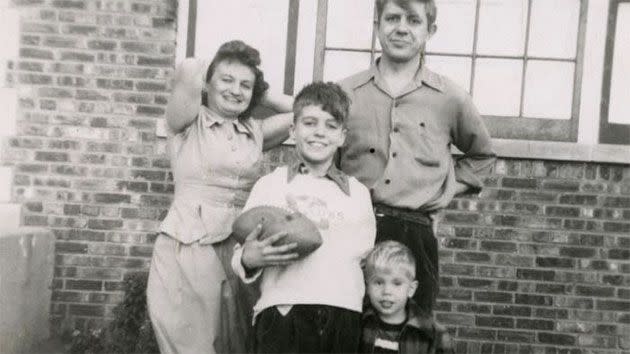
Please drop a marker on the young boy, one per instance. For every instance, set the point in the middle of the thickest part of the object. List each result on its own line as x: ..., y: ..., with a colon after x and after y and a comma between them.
x: 393, y: 322
x: 312, y: 304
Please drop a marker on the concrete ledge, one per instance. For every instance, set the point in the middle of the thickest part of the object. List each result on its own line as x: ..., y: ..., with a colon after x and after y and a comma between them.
x: 26, y: 271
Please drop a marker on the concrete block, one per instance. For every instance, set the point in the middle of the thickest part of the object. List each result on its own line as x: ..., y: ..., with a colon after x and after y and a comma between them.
x: 10, y: 215
x: 8, y: 112
x: 6, y: 182
x: 26, y: 271
x: 9, y: 29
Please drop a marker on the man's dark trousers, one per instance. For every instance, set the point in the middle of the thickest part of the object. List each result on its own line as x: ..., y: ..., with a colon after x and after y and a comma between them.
x: 418, y: 235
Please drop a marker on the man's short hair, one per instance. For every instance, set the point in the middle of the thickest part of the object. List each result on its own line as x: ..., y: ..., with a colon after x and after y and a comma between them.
x: 429, y: 5
x: 329, y: 96
x: 389, y: 255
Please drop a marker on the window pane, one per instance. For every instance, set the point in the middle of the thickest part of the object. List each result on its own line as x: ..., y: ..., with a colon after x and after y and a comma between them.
x: 619, y: 108
x: 350, y: 31
x: 548, y: 89
x: 554, y: 28
x: 455, y: 68
x: 502, y: 27
x: 338, y: 64
x: 456, y: 25
x: 497, y: 86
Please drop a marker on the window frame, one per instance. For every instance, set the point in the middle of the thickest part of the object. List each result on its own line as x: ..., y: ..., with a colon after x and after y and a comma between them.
x: 502, y: 127
x: 587, y: 148
x: 611, y: 133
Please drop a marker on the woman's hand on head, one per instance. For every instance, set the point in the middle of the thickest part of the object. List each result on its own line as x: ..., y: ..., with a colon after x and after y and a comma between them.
x: 183, y: 104
x: 262, y: 253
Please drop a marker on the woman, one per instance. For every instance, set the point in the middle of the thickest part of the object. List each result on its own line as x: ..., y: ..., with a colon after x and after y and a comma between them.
x: 215, y: 152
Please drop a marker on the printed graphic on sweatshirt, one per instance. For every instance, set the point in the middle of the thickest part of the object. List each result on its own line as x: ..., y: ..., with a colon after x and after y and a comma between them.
x: 314, y: 208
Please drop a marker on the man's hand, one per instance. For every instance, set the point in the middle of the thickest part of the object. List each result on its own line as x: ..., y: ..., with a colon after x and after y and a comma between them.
x: 262, y: 253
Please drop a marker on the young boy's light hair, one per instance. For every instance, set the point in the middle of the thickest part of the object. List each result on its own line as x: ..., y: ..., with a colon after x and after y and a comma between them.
x: 388, y: 255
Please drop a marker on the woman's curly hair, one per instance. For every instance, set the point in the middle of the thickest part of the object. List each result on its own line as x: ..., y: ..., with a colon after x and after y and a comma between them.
x: 238, y: 51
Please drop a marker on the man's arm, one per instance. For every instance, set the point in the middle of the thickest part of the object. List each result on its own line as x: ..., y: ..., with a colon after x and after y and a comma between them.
x: 471, y: 137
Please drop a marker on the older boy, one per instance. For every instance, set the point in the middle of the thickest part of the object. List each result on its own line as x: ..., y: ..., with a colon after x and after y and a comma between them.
x: 402, y: 123
x: 312, y: 304
x: 393, y: 323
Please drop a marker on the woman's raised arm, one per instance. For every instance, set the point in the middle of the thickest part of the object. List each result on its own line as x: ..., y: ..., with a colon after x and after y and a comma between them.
x: 183, y: 105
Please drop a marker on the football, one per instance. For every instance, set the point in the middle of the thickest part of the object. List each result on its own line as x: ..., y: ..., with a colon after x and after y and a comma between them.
x: 298, y: 227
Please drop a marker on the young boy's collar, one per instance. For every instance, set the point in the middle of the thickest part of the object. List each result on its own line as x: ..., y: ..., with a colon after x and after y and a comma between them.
x: 333, y: 173
x: 415, y: 317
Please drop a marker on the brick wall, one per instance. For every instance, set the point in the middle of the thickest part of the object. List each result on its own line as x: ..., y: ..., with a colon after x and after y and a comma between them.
x: 538, y: 263
x: 92, y: 81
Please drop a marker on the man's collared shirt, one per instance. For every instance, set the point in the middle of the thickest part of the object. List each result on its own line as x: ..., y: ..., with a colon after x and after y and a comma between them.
x: 399, y: 146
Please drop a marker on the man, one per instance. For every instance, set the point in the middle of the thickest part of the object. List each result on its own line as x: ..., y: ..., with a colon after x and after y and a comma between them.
x: 402, y: 122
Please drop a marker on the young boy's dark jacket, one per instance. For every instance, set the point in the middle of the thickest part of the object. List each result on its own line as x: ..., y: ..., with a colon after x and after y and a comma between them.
x: 419, y: 333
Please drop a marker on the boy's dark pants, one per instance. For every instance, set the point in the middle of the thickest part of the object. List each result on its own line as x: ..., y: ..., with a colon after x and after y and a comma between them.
x: 308, y: 329
x: 418, y: 236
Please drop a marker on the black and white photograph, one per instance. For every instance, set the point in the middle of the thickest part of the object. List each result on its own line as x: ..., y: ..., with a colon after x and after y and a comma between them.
x: 315, y: 176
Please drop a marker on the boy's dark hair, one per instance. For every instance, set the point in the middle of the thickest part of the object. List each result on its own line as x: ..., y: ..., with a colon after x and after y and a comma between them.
x: 327, y: 95
x: 238, y: 51
x: 429, y: 5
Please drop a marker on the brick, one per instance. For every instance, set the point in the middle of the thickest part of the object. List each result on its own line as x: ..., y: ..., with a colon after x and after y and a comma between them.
x: 496, y: 272
x: 111, y: 198
x: 155, y: 61
x: 617, y: 227
x: 514, y: 260
x: 497, y: 246
x: 553, y: 288
x: 612, y: 305
x: 101, y: 45
x: 473, y: 307
x: 562, y: 211
x: 457, y: 269
x: 107, y: 249
x: 621, y: 254
x: 490, y: 296
x: 535, y: 274
x: 556, y: 339
x: 527, y: 183
x: 578, y: 199
x: 551, y: 313
x: 150, y: 86
x: 455, y: 319
x: 579, y: 303
x: 162, y: 188
x: 494, y: 321
x: 86, y: 310
x: 544, y: 325
x: 150, y: 111
x: 84, y: 285
x: 475, y: 283
x: 472, y: 257
x: 70, y: 247
x: 455, y: 294
x: 554, y: 262
x: 476, y: 333
x: 141, y: 251
x: 103, y: 224
x: 577, y: 252
x: 516, y: 336
x: 561, y: 186
x: 511, y: 310
x: 528, y: 299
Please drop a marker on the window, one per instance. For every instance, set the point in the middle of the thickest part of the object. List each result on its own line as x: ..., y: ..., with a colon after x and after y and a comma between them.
x: 615, y: 106
x: 520, y: 59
